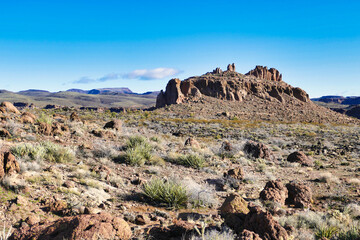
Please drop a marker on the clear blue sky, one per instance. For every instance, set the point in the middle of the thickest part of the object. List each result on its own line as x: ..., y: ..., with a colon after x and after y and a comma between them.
x: 57, y: 45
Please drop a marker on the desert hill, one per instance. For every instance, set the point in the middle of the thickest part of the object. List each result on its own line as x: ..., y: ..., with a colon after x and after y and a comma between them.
x: 259, y: 94
x: 103, y: 97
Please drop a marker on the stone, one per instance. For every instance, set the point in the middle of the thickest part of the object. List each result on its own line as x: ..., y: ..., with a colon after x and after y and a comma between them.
x: 4, y: 133
x: 88, y: 226
x: 236, y: 173
x: 114, y: 124
x: 263, y: 224
x: 217, y: 71
x: 178, y: 230
x: 44, y: 128
x: 257, y: 150
x: 74, y: 117
x: 274, y: 191
x: 9, y: 107
x: 299, y: 195
x: 28, y: 117
x: 248, y: 235
x: 192, y: 143
x: 8, y: 164
x: 234, y: 204
x: 300, y: 157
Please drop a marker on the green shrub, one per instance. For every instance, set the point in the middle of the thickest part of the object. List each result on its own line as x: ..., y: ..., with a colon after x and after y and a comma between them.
x: 45, y: 150
x: 29, y: 150
x: 326, y: 232
x: 43, y: 118
x: 190, y: 160
x: 167, y: 192
x: 352, y: 234
x: 138, y: 151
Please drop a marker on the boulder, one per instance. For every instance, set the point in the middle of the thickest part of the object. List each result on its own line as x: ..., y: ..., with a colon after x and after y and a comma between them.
x: 4, y: 133
x: 236, y: 173
x: 9, y: 107
x: 257, y: 150
x: 274, y: 191
x: 74, y: 117
x: 114, y: 124
x: 234, y: 204
x: 172, y: 95
x: 264, y: 225
x: 8, y: 164
x: 44, y: 128
x: 192, y: 142
x: 248, y: 235
x: 299, y: 195
x: 301, y: 158
x: 90, y: 227
x: 28, y: 117
x: 178, y: 230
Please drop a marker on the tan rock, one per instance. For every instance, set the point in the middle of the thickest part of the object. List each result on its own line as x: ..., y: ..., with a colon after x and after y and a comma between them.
x: 9, y: 107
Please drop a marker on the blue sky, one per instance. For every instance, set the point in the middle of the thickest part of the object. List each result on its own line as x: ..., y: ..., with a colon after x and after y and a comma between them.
x: 57, y: 45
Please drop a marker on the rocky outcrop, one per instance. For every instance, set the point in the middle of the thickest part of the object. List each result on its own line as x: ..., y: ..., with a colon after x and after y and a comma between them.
x: 230, y: 85
x: 9, y: 107
x: 264, y: 73
x: 8, y: 164
x: 236, y: 173
x: 299, y: 195
x: 257, y: 150
x: 89, y: 227
x: 274, y: 191
x: 264, y: 225
x: 114, y: 124
x: 300, y: 157
x: 248, y: 235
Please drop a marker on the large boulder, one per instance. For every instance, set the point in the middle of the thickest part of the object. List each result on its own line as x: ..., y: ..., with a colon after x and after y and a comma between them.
x: 257, y: 150
x: 114, y: 124
x: 8, y: 164
x: 300, y: 157
x: 234, y: 203
x: 264, y: 225
x: 274, y: 191
x: 236, y: 173
x: 90, y: 227
x: 248, y: 235
x: 9, y: 107
x: 299, y: 195
x: 28, y: 117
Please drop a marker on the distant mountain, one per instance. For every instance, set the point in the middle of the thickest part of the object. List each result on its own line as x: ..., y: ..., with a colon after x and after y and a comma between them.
x: 108, y: 91
x: 34, y: 92
x: 346, y: 105
x: 352, y: 100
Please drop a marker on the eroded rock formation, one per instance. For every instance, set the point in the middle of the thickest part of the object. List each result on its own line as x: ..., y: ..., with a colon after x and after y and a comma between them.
x: 230, y: 85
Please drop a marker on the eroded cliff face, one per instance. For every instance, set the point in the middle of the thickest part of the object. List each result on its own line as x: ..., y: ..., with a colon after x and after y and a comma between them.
x: 232, y: 86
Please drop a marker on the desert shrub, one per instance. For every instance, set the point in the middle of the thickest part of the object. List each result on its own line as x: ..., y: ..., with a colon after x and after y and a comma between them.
x: 326, y: 232
x: 57, y: 153
x: 138, y: 151
x: 46, y: 150
x: 189, y: 160
x: 200, y: 195
x: 28, y: 150
x: 43, y: 118
x: 224, y: 234
x: 352, y: 234
x: 168, y: 192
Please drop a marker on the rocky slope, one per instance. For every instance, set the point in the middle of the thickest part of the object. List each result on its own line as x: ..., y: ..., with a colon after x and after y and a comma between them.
x: 260, y: 94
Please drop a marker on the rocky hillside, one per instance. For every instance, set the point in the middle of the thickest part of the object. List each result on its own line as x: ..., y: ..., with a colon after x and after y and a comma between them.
x: 259, y: 94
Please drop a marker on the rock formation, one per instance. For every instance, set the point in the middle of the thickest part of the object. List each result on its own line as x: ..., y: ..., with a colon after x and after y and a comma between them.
x: 263, y: 73
x: 230, y: 85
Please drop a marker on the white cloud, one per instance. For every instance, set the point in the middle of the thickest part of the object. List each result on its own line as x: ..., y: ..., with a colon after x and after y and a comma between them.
x: 148, y: 74
x: 141, y: 74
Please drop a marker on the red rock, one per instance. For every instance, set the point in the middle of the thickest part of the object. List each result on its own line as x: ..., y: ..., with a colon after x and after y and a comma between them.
x: 257, y: 150
x: 301, y: 158
x: 114, y: 124
x: 274, y: 191
x: 8, y: 164
x: 248, y: 235
x: 263, y: 73
x: 236, y: 173
x: 299, y: 195
x: 264, y: 225
x: 89, y: 227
